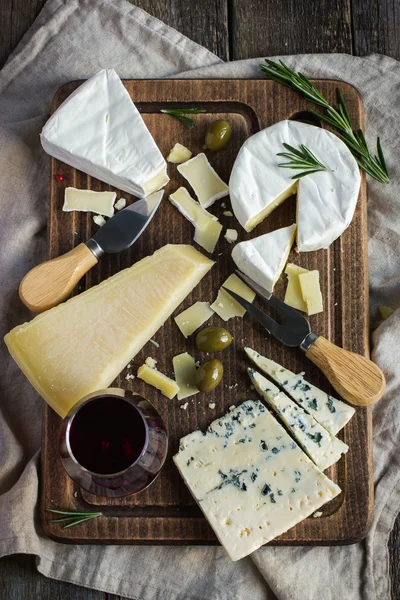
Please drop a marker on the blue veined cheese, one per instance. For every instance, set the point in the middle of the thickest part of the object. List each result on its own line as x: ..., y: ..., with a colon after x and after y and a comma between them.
x: 250, y: 479
x: 331, y: 413
x: 321, y: 446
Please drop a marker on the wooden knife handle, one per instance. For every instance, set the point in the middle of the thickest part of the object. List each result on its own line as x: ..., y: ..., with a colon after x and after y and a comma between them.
x: 52, y: 282
x: 357, y: 379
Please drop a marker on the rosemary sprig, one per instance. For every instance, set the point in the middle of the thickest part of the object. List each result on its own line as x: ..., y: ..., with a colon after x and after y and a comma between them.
x: 301, y: 159
x: 178, y: 113
x: 72, y: 517
x: 373, y: 164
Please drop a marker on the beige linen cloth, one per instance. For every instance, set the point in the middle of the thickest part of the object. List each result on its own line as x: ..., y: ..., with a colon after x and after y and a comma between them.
x: 74, y: 39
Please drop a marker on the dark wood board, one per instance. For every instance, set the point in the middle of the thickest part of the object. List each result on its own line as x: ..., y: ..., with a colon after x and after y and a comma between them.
x: 165, y: 512
x: 19, y: 578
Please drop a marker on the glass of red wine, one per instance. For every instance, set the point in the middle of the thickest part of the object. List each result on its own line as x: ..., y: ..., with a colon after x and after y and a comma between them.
x: 113, y: 443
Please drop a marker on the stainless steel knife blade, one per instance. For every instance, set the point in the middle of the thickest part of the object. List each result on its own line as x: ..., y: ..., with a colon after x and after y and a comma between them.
x: 123, y: 229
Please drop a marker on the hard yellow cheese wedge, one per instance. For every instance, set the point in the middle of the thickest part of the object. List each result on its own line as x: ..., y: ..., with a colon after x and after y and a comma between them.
x: 225, y: 306
x: 193, y: 317
x: 81, y: 345
x: 185, y: 373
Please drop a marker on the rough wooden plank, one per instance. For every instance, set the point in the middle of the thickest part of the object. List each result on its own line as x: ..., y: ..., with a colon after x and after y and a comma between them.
x: 16, y: 16
x: 204, y: 22
x: 260, y: 28
x: 376, y: 27
x: 20, y: 580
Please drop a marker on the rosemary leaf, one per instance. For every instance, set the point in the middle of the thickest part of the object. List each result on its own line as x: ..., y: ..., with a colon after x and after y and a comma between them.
x: 178, y: 113
x: 301, y: 159
x: 339, y: 118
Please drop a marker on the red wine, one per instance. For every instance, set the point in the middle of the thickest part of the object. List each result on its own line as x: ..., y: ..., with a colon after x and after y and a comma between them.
x: 107, y: 435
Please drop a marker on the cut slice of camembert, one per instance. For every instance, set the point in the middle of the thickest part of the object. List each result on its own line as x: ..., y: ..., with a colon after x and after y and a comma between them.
x: 322, y: 447
x: 99, y: 131
x: 82, y: 345
x: 326, y: 200
x: 207, y: 226
x: 101, y: 203
x: 331, y: 413
x: 250, y: 479
x: 263, y: 258
x: 207, y: 184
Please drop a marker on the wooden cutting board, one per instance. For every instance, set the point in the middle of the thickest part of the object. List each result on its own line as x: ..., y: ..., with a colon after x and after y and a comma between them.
x: 165, y: 512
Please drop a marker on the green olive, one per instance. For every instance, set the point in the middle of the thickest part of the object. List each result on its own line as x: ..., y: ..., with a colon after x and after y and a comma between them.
x: 209, y: 375
x: 213, y: 339
x: 218, y: 135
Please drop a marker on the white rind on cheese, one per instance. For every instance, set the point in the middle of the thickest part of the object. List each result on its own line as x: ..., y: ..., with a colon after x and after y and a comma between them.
x: 101, y: 203
x: 99, y: 131
x: 326, y: 200
x: 207, y: 226
x: 82, y: 345
x: 206, y: 183
x: 322, y: 447
x: 263, y: 258
x: 250, y: 479
x: 331, y: 413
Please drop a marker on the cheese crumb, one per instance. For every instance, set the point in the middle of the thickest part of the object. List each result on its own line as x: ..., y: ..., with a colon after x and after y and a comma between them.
x: 128, y: 366
x: 179, y: 154
x: 120, y: 204
x: 227, y: 213
x: 231, y: 235
x: 211, y: 405
x: 151, y: 362
x: 184, y: 406
x: 99, y: 220
x: 156, y: 344
x: 317, y: 514
x: 129, y: 376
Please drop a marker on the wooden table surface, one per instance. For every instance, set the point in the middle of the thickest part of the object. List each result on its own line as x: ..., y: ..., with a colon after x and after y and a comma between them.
x: 232, y: 29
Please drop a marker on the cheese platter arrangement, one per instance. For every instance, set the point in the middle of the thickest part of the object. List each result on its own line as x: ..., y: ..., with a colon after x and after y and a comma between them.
x: 219, y: 314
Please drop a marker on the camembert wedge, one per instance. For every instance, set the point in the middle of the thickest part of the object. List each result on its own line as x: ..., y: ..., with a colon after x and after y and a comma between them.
x: 326, y: 200
x: 263, y: 258
x: 99, y: 131
x: 331, y: 413
x: 250, y: 479
x: 81, y: 345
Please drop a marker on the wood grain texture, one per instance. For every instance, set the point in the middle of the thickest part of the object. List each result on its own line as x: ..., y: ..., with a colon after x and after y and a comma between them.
x: 17, y: 15
x: 53, y: 281
x: 376, y: 27
x: 268, y: 28
x: 355, y: 378
x: 165, y: 512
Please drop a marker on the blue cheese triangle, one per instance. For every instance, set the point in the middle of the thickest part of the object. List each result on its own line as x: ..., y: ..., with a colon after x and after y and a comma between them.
x: 250, y: 479
x: 331, y: 413
x: 99, y: 131
x: 322, y: 447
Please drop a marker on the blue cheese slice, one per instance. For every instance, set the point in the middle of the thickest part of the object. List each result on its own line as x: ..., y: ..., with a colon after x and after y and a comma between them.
x: 331, y: 413
x: 322, y: 447
x: 250, y: 479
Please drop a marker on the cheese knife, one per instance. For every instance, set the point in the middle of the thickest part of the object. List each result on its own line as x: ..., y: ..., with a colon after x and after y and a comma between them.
x: 356, y: 378
x: 52, y: 282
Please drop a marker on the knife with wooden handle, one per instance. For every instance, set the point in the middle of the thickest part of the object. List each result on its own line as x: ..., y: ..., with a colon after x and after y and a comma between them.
x: 52, y: 282
x: 356, y: 378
